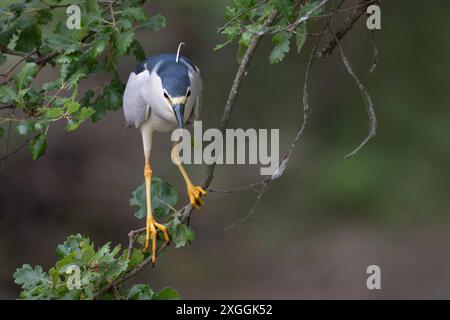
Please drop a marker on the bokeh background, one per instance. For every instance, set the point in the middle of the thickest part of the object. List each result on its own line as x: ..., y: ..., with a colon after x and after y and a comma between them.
x: 318, y: 227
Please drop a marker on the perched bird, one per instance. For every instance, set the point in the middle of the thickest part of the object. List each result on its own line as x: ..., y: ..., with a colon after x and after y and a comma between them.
x: 163, y: 93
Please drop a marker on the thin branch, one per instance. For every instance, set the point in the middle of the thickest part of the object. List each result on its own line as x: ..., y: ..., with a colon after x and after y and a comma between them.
x: 345, y: 27
x: 5, y: 49
x: 308, y: 15
x: 112, y: 12
x: 252, y: 210
x: 15, y: 65
x: 367, y: 101
x: 278, y: 172
x: 252, y: 186
x: 226, y: 117
x: 241, y: 14
x: 8, y: 155
x: 7, y: 106
x: 375, y: 52
x: 132, y: 237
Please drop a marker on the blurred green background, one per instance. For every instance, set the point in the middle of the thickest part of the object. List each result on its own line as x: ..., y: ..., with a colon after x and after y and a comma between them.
x: 318, y: 227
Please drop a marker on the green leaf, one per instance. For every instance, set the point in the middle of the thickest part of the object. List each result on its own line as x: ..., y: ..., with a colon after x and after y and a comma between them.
x: 301, y: 36
x: 308, y: 7
x: 92, y: 6
x: 27, y: 277
x: 44, y: 16
x: 166, y: 294
x: 70, y: 245
x: 136, y: 257
x: 284, y: 7
x: 221, y: 45
x: 53, y: 113
x: 85, y: 113
x: 67, y: 260
x: 123, y: 41
x: 97, y: 48
x: 72, y: 125
x: 281, y: 42
x: 163, y: 197
x: 29, y: 38
x: 182, y: 235
x: 24, y: 127
x: 138, y: 51
x: 245, y: 39
x: 2, y: 58
x: 51, y: 86
x: 72, y: 106
x: 7, y: 35
x: 134, y: 13
x: 26, y: 75
x: 38, y: 146
x: 7, y: 94
x: 140, y: 292
x: 155, y: 23
x: 110, y: 99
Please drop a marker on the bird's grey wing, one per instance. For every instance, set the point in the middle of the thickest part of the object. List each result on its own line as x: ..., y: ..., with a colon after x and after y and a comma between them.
x: 135, y: 108
x: 196, y: 86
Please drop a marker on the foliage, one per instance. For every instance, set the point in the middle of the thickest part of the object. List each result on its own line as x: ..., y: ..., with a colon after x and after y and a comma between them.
x: 245, y: 18
x: 163, y: 198
x: 100, y: 266
x: 97, y: 268
x: 35, y: 32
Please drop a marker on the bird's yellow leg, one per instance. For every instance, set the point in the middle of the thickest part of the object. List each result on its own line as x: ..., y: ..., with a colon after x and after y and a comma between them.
x: 194, y: 192
x: 151, y: 224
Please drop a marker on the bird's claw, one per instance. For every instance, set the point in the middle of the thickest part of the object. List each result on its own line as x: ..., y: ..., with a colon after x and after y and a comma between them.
x: 195, y: 193
x: 152, y: 227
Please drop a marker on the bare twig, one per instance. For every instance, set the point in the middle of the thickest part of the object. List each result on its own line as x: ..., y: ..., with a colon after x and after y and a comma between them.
x: 5, y: 49
x: 367, y: 101
x: 7, y: 106
x: 343, y: 29
x: 132, y: 237
x: 375, y: 52
x: 8, y: 155
x: 112, y: 12
x: 241, y: 14
x: 252, y: 186
x: 308, y: 15
x: 278, y: 172
x: 226, y: 117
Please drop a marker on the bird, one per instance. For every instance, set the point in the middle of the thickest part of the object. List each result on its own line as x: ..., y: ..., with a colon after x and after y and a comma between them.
x: 163, y: 93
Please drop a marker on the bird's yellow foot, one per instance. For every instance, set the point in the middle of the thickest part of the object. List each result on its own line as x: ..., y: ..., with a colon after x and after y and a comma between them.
x: 195, y: 193
x: 152, y: 227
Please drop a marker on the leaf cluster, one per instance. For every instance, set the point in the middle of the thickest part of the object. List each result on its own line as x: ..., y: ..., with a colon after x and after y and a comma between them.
x: 99, y: 266
x: 246, y: 18
x: 36, y: 33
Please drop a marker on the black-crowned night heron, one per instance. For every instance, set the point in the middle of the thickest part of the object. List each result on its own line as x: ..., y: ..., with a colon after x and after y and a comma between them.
x: 163, y: 93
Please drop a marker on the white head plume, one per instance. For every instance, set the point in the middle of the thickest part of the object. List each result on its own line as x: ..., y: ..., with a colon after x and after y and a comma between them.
x: 178, y: 51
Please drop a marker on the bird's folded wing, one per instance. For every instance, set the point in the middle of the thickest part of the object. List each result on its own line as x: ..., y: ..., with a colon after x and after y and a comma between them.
x: 135, y: 108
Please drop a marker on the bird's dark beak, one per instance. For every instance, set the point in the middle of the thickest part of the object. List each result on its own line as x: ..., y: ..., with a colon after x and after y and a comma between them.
x: 178, y: 109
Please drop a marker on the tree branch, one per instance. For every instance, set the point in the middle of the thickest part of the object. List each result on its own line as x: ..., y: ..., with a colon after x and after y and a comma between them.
x: 226, y: 117
x: 345, y: 27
